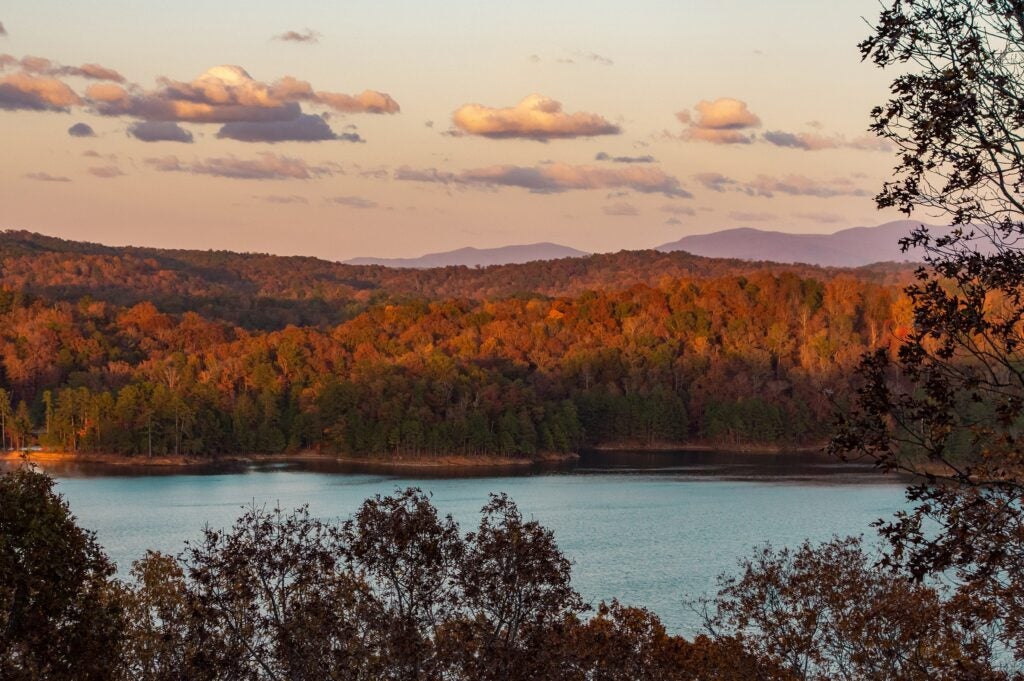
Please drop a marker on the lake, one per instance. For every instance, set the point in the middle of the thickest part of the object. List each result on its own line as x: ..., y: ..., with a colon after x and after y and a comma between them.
x: 650, y: 529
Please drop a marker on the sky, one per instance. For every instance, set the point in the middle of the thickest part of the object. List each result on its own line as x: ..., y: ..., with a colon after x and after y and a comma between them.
x: 395, y: 128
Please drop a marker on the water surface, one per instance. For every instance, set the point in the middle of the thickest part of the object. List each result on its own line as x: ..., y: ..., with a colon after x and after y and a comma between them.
x: 651, y: 529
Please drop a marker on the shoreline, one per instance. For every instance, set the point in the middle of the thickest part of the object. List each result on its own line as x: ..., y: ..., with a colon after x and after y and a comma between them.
x: 186, y: 462
x: 390, y: 462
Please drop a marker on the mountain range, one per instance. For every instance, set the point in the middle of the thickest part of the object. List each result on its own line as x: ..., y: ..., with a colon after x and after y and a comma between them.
x: 853, y: 247
x: 478, y: 257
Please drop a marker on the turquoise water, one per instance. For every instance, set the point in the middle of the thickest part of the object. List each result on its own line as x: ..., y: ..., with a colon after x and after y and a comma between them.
x: 651, y: 530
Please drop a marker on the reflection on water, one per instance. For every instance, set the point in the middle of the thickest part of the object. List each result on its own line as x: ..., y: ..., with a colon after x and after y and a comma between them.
x: 648, y: 528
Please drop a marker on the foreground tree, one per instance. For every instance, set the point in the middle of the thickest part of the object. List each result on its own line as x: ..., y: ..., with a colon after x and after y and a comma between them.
x: 396, y: 593
x: 831, y: 612
x: 59, y: 610
x: 951, y: 404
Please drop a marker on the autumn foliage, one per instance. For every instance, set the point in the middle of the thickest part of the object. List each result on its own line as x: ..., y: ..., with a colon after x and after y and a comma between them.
x: 727, y: 360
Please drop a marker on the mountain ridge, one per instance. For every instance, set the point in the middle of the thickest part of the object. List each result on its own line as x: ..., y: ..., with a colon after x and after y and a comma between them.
x: 515, y: 254
x: 851, y: 247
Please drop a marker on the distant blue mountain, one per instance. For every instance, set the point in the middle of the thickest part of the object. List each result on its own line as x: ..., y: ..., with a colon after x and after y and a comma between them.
x: 472, y: 257
x: 847, y: 248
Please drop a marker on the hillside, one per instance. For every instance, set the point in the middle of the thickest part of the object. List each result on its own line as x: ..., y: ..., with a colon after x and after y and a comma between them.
x: 267, y: 291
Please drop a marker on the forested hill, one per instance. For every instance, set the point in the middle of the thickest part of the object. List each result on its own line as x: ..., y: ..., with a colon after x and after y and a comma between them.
x: 137, y: 351
x: 261, y: 291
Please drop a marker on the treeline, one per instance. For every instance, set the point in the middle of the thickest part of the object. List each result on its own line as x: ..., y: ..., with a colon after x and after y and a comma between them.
x: 736, y: 360
x: 267, y: 292
x: 399, y: 592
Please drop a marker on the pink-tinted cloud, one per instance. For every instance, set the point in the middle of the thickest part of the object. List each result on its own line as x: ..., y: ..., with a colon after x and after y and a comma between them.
x: 226, y: 94
x: 716, y: 182
x: 801, y: 185
x: 92, y: 71
x: 306, y: 36
x: 536, y: 117
x: 793, y: 185
x: 27, y: 92
x: 554, y: 178
x: 46, y: 67
x: 267, y: 166
x: 108, y: 93
x: 810, y: 141
x: 723, y: 121
x: 367, y: 101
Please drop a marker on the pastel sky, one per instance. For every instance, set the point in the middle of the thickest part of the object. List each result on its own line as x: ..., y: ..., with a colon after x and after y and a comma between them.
x: 394, y: 128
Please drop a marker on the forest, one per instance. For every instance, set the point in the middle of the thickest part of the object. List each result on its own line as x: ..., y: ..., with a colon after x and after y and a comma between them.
x: 145, y: 353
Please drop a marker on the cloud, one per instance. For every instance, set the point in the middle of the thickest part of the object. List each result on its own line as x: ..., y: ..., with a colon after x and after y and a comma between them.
x: 267, y: 166
x: 106, y: 172
x: 536, y: 117
x: 744, y: 216
x: 408, y: 174
x: 809, y: 141
x: 678, y: 210
x: 801, y: 185
x: 306, y: 36
x: 368, y: 101
x: 159, y: 131
x: 81, y: 130
x: 596, y: 58
x: 621, y: 209
x: 723, y: 121
x: 23, y: 91
x: 284, y: 198
x: 794, y: 185
x: 578, y: 56
x: 554, y: 178
x: 90, y: 71
x: 304, y: 128
x: 602, y: 156
x: 716, y: 182
x: 673, y: 221
x: 92, y: 153
x: 47, y: 177
x: 353, y: 202
x: 44, y: 67
x: 3, y: 31
x: 227, y: 94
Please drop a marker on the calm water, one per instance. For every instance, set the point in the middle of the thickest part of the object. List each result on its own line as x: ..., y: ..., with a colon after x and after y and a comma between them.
x: 649, y: 529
